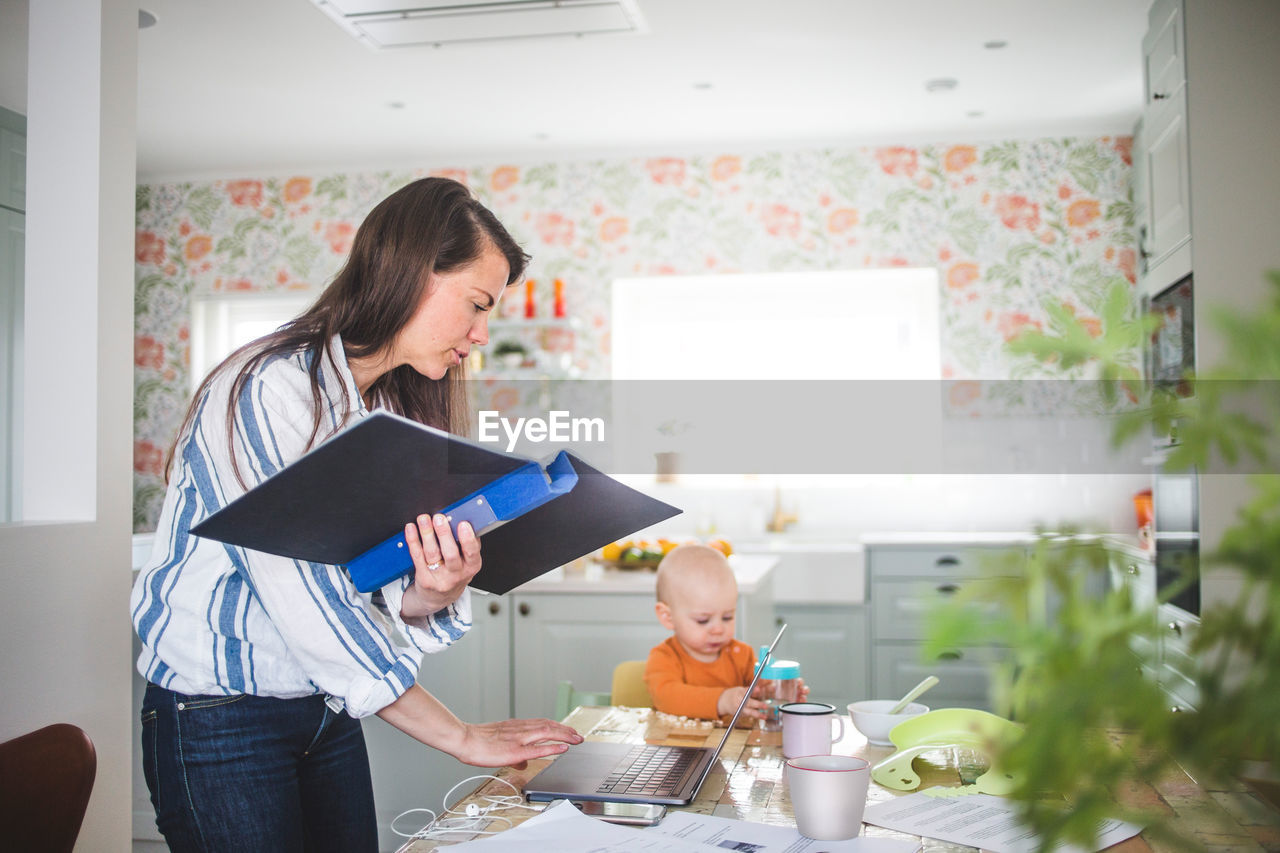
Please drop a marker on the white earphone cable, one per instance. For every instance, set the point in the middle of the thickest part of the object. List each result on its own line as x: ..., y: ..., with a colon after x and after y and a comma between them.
x: 473, y: 819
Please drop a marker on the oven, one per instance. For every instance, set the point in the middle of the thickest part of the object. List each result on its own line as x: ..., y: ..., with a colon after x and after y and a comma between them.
x: 1170, y: 360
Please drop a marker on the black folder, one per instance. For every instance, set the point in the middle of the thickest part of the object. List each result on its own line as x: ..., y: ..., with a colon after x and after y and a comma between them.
x: 347, y: 501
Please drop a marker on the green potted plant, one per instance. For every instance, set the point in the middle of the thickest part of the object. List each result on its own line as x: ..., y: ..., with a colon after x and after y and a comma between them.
x: 511, y: 354
x: 1095, y: 728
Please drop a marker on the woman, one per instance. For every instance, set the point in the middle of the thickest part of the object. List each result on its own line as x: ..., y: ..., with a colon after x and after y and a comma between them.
x: 258, y: 666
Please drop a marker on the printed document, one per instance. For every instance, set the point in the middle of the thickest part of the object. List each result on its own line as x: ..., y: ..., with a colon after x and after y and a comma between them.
x: 727, y: 833
x: 976, y: 820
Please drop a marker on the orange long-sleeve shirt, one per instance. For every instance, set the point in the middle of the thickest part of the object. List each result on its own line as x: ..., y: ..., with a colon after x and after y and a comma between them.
x: 686, y: 687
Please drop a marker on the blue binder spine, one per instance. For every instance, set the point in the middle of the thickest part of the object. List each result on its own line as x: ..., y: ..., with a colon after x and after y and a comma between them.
x: 507, y: 497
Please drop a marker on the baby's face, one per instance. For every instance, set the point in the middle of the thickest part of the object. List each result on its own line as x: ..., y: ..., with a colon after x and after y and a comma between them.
x: 702, y: 616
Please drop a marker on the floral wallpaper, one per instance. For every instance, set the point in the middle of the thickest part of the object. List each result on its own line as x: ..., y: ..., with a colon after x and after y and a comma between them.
x: 1008, y: 225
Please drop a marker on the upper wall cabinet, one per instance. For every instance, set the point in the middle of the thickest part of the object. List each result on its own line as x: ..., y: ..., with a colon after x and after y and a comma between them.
x: 1164, y: 64
x: 1162, y: 183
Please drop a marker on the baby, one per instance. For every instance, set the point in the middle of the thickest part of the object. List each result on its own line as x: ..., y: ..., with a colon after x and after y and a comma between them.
x: 701, y: 671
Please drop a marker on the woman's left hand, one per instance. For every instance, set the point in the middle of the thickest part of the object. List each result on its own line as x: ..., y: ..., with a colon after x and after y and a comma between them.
x: 443, y: 566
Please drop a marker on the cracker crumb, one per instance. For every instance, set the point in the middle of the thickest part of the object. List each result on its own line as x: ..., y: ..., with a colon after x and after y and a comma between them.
x: 684, y: 722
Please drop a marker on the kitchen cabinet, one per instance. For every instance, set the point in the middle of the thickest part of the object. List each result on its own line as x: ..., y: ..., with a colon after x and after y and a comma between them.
x: 1165, y: 657
x: 829, y: 641
x: 905, y: 582
x: 578, y: 638
x: 1162, y: 164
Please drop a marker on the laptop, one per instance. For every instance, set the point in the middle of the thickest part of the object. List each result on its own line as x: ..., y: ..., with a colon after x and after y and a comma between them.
x: 635, y: 773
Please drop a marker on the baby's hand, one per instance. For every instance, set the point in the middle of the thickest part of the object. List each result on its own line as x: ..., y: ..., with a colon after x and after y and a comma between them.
x: 732, y: 697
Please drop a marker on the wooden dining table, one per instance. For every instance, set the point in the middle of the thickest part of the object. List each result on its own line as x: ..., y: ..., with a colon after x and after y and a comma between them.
x: 748, y: 785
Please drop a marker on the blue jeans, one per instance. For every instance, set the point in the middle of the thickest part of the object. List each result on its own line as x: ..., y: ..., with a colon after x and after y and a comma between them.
x: 243, y: 774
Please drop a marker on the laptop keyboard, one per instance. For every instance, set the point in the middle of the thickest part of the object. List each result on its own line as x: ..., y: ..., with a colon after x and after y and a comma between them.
x: 653, y: 770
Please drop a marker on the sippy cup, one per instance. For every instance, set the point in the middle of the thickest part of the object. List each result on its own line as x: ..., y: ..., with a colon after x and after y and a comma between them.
x: 785, y: 675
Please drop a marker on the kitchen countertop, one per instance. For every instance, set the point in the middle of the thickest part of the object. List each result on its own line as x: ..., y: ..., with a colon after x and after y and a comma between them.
x: 589, y: 576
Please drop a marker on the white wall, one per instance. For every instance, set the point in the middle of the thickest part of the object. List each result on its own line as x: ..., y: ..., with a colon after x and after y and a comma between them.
x: 64, y: 615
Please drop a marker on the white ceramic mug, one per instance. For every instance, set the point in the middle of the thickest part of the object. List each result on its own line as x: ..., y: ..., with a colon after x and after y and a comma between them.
x: 828, y: 795
x: 806, y: 728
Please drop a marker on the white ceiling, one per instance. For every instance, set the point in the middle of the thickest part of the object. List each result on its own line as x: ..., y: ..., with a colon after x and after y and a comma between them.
x: 230, y: 87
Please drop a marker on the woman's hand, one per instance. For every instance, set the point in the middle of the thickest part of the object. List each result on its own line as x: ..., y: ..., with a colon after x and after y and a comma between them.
x: 442, y: 565
x: 512, y: 742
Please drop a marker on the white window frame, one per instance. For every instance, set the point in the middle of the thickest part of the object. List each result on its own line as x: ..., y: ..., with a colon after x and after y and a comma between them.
x: 222, y: 322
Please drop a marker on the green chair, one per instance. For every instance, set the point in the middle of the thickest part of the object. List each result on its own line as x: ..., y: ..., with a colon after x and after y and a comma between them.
x: 627, y: 689
x: 568, y: 698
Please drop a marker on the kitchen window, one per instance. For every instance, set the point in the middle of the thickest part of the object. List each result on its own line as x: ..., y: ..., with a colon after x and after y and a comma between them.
x: 873, y: 324
x: 845, y: 324
x: 220, y: 324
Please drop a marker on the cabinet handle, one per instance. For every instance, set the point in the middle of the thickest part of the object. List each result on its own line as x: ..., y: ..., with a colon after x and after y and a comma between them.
x: 947, y: 561
x: 523, y: 608
x: 947, y: 588
x: 1176, y: 628
x: 1159, y: 96
x: 1142, y: 243
x: 950, y: 655
x: 494, y: 608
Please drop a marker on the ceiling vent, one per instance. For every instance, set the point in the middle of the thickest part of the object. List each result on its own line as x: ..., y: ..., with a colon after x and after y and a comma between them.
x: 406, y: 23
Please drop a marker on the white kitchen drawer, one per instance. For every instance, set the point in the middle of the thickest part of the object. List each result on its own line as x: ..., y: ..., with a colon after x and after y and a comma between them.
x: 958, y: 562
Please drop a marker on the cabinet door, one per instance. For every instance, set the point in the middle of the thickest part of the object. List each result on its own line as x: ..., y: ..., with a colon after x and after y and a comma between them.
x: 830, y: 644
x: 1137, y: 574
x: 1167, y: 180
x: 1164, y: 64
x: 1177, y: 664
x: 473, y: 676
x: 577, y: 638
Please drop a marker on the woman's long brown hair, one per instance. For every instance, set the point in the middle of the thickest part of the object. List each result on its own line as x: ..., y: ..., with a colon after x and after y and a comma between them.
x: 430, y: 225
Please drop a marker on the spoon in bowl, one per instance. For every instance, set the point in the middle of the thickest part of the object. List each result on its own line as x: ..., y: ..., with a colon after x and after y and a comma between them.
x: 913, y: 693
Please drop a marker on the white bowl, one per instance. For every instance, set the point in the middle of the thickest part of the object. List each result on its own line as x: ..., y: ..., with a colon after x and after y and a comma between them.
x: 871, y: 717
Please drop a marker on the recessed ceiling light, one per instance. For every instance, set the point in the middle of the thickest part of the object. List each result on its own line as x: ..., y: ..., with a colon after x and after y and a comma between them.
x: 995, y: 44
x: 975, y: 114
x: 702, y: 86
x: 145, y: 19
x: 940, y: 84
x: 396, y: 105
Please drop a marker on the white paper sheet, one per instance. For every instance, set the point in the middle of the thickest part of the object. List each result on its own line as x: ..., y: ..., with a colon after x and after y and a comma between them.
x: 977, y: 820
x: 725, y: 833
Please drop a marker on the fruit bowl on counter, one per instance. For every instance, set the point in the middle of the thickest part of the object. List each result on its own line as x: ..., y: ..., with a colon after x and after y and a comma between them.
x: 632, y: 555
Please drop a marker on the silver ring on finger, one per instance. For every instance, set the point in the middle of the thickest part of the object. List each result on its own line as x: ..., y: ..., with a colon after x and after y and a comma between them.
x: 434, y: 566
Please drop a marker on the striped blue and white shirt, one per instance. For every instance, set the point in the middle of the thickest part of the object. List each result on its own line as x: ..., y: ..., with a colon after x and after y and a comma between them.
x: 219, y: 619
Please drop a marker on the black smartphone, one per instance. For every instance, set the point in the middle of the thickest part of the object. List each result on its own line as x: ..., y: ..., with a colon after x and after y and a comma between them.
x: 632, y: 814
